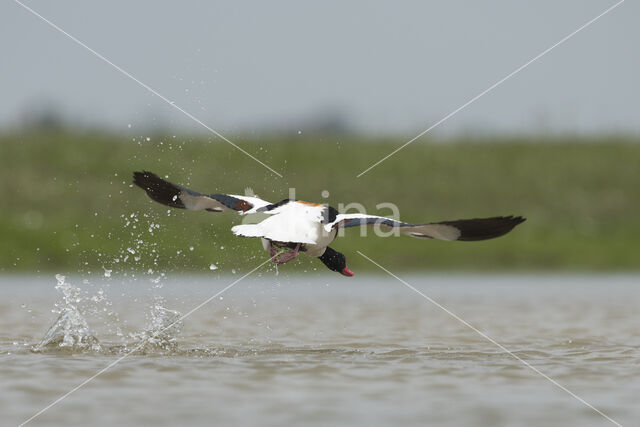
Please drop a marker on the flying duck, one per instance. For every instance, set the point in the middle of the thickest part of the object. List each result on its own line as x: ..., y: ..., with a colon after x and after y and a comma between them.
x: 294, y: 226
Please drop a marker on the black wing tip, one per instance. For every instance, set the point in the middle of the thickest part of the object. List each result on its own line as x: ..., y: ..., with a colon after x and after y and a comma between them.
x: 511, y: 218
x: 158, y: 189
x: 485, y: 228
x: 142, y: 178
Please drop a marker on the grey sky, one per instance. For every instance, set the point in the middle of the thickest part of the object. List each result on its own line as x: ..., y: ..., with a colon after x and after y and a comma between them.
x: 389, y: 67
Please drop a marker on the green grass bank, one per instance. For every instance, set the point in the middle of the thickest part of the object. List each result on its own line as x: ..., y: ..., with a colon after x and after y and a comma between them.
x: 67, y: 202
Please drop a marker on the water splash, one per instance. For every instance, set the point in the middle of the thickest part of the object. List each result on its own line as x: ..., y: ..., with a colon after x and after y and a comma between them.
x: 71, y: 330
x: 107, y: 272
x: 162, y: 329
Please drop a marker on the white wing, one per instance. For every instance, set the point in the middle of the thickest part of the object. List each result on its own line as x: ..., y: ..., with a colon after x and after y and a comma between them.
x: 290, y: 221
x: 463, y: 229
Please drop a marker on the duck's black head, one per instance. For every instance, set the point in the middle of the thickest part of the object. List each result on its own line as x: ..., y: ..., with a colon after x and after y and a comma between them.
x: 335, y: 261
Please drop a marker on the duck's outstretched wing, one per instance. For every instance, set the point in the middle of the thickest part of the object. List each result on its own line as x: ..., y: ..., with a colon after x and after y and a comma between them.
x: 462, y: 229
x: 179, y: 197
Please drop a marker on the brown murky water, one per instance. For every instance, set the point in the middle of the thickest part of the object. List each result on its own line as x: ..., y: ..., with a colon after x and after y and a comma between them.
x: 320, y: 350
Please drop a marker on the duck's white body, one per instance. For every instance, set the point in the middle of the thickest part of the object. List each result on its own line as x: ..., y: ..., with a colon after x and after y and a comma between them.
x: 295, y: 225
x: 293, y: 222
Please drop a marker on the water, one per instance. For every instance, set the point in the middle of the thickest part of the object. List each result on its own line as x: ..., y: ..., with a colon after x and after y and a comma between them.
x: 319, y: 350
x: 71, y: 330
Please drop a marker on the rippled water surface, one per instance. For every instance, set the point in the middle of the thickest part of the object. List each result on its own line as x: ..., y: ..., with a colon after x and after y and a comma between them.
x: 319, y: 350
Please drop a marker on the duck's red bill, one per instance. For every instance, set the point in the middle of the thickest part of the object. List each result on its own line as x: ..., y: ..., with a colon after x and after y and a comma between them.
x: 347, y: 272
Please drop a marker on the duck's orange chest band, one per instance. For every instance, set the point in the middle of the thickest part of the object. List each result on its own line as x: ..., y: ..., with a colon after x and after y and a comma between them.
x: 309, y: 203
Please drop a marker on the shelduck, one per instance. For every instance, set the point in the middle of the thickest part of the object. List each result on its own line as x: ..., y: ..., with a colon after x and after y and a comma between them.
x: 292, y: 227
